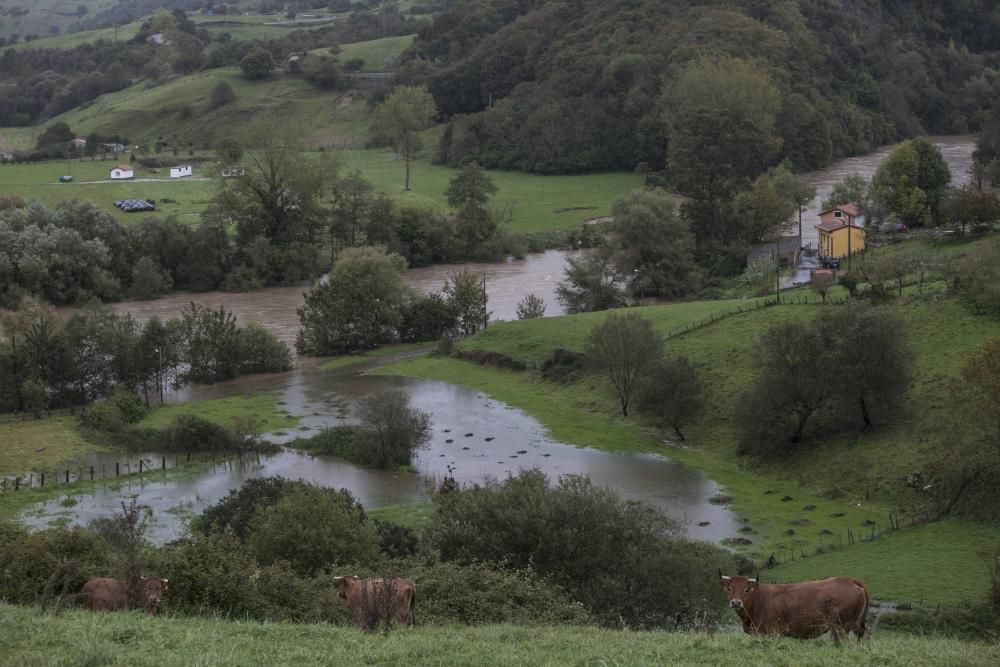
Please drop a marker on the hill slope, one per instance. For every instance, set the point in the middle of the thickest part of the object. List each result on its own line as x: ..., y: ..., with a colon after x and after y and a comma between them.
x: 132, y: 639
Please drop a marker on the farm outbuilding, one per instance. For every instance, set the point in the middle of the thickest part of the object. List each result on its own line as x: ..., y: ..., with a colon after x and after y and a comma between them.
x: 122, y: 172
x: 180, y: 172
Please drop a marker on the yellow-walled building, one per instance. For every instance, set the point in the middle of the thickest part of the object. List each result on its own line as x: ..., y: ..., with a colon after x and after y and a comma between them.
x: 839, y: 232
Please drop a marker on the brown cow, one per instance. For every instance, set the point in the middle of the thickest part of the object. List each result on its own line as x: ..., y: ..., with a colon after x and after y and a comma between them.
x: 112, y: 594
x: 375, y: 598
x: 806, y: 610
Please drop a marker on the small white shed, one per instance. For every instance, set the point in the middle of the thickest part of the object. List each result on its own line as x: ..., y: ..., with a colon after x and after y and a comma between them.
x: 121, y: 172
x: 181, y: 171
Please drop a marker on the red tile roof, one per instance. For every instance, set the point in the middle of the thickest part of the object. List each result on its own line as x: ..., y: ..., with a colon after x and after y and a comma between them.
x: 831, y: 226
x: 849, y: 209
x: 124, y: 167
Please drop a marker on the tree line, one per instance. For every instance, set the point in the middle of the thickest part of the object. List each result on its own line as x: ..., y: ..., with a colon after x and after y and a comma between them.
x: 595, y: 85
x: 48, y: 362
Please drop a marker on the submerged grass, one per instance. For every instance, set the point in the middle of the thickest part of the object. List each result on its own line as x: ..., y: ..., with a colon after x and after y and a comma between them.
x: 78, y: 637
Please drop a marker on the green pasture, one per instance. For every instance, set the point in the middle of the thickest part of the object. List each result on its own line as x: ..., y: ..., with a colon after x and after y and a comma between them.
x: 373, y: 52
x: 43, y: 14
x: 70, y: 40
x: 135, y: 639
x: 912, y: 565
x: 536, y: 203
x: 185, y: 197
x: 38, y: 443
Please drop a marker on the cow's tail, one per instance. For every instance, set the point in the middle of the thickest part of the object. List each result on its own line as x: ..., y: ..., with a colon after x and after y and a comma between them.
x: 861, y: 624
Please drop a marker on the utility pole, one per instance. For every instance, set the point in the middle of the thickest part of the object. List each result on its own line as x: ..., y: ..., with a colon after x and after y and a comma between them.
x: 777, y: 273
x: 486, y: 314
x: 848, y: 244
x: 159, y: 374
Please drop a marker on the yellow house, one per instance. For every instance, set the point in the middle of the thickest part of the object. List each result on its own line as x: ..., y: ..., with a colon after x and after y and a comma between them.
x: 839, y: 236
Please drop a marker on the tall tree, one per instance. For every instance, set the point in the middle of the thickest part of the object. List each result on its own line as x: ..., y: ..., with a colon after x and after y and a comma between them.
x: 592, y: 282
x: 357, y: 308
x: 622, y: 346
x: 794, y: 188
x: 911, y: 183
x: 467, y: 297
x: 277, y: 203
x: 721, y: 134
x: 401, y: 118
x: 654, y: 246
x: 672, y: 393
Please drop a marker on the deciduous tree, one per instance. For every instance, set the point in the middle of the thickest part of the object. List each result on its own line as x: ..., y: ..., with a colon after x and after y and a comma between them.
x: 622, y: 346
x: 401, y: 118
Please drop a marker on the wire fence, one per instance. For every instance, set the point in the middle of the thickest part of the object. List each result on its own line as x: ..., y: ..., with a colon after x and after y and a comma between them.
x: 140, y: 465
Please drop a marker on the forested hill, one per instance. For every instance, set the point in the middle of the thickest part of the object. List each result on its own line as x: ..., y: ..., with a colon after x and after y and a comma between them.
x: 578, y: 85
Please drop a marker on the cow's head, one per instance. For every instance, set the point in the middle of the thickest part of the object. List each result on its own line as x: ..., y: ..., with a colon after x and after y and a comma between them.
x: 345, y: 584
x: 153, y: 589
x: 739, y: 590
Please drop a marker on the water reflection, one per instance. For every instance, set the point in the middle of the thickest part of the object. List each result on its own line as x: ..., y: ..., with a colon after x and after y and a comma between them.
x: 487, y: 438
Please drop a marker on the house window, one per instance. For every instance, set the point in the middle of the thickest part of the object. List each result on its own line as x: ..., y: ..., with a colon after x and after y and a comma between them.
x: 838, y: 214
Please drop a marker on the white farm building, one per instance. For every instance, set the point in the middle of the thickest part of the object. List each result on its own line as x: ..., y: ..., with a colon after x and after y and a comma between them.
x: 180, y: 172
x: 122, y: 172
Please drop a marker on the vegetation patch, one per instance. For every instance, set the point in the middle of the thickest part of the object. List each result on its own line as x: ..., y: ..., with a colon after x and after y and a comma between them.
x: 260, y: 408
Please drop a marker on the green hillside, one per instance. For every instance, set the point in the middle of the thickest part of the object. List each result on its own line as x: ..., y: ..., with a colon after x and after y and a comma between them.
x: 78, y: 638
x: 856, y: 475
x: 39, y: 17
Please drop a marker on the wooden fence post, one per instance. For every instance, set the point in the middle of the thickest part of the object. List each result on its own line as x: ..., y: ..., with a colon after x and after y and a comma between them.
x: 41, y: 475
x: 117, y: 471
x: 91, y: 473
x: 67, y: 476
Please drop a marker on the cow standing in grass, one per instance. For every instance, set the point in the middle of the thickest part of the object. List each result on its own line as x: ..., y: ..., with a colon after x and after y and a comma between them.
x: 805, y: 611
x: 379, y: 599
x: 112, y: 594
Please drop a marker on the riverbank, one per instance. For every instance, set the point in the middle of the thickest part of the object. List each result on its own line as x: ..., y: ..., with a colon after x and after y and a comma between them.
x: 80, y: 637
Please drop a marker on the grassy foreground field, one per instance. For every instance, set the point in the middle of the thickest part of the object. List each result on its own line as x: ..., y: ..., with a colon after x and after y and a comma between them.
x: 81, y: 638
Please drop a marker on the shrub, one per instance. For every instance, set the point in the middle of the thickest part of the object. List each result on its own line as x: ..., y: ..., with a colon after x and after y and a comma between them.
x: 190, y: 433
x: 622, y: 559
x: 221, y: 95
x: 492, y: 358
x: 391, y: 431
x: 30, y: 558
x: 311, y: 529
x: 396, y: 541
x: 480, y: 594
x: 342, y: 441
x: 129, y: 404
x: 103, y: 418
x: 564, y: 365
x: 260, y: 351
x: 240, y: 506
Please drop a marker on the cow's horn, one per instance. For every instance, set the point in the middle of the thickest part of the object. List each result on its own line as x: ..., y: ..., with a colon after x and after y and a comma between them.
x: 337, y: 578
